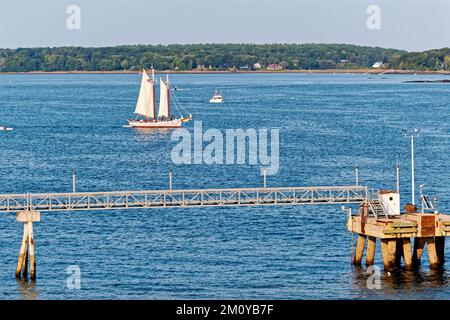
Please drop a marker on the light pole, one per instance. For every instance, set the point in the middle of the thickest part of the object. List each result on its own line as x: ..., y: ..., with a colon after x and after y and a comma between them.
x: 74, y: 181
x: 412, y: 135
x: 397, y: 169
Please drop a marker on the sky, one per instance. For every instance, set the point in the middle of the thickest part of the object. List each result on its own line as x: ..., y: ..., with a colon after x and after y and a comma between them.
x: 412, y: 25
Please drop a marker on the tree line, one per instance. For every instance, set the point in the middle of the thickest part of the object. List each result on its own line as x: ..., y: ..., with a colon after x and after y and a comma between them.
x: 218, y: 57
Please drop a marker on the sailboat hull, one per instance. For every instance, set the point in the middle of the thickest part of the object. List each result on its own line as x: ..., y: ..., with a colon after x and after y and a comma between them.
x: 150, y: 124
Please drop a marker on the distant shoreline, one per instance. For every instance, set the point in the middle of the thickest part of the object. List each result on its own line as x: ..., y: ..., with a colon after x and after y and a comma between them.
x: 324, y: 71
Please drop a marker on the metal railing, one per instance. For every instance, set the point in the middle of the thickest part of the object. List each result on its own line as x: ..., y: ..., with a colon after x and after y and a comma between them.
x: 182, y: 198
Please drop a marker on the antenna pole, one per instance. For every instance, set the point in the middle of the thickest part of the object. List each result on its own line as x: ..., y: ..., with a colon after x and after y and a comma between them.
x: 412, y: 171
x: 357, y: 174
x: 170, y: 179
x: 415, y: 133
x: 398, y: 176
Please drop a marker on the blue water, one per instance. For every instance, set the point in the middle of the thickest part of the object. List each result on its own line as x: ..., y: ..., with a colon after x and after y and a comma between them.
x: 326, y: 122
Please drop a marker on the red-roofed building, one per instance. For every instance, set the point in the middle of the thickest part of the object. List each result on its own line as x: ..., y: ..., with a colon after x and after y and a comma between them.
x: 274, y: 66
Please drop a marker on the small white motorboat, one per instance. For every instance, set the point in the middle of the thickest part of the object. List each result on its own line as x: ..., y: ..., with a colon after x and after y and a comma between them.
x: 3, y: 128
x: 216, y: 98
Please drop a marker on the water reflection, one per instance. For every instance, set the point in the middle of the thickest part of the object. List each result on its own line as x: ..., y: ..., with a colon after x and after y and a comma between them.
x: 149, y: 135
x: 27, y: 289
x: 399, y: 281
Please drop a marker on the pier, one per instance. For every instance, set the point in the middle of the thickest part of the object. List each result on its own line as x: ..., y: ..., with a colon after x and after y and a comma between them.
x: 77, y: 201
x: 402, y: 236
x: 28, y: 207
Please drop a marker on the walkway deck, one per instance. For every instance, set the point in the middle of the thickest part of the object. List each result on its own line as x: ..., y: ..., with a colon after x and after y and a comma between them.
x: 182, y: 198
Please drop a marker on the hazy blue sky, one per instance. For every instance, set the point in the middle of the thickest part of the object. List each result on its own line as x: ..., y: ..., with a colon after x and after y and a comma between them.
x: 405, y: 24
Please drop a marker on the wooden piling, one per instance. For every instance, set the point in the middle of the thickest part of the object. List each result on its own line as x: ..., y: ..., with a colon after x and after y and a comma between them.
x: 419, y: 243
x: 432, y: 253
x: 440, y: 249
x: 21, y: 263
x: 25, y: 263
x: 407, y: 254
x: 398, y: 252
x: 370, y: 251
x: 27, y: 248
x: 359, y: 249
x: 31, y: 251
x: 388, y: 250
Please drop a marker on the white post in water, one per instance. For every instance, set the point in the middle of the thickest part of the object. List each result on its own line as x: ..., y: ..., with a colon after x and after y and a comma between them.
x: 74, y: 181
x: 414, y: 134
x: 357, y: 174
x: 170, y: 179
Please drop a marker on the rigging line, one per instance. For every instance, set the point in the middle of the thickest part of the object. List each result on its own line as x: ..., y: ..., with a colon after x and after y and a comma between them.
x: 176, y: 99
x: 177, y: 104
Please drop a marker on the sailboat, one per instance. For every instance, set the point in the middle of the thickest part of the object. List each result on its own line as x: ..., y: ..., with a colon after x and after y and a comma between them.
x: 146, y: 106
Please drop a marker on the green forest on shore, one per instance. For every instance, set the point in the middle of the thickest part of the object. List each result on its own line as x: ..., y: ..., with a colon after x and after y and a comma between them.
x: 220, y: 57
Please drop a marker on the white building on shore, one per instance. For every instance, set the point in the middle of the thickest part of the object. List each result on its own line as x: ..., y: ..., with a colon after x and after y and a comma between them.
x: 378, y: 64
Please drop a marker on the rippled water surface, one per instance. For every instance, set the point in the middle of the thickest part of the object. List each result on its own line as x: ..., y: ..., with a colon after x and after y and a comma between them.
x: 326, y: 122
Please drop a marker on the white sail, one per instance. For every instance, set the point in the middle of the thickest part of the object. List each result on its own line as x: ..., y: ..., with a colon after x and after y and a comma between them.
x: 164, y: 99
x: 145, y: 105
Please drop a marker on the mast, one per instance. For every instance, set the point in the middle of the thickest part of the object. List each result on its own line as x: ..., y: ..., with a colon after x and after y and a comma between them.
x: 153, y: 90
x: 398, y: 176
x: 168, y: 97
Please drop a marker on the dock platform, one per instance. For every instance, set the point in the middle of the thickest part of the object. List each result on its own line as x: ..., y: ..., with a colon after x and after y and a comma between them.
x: 401, y: 237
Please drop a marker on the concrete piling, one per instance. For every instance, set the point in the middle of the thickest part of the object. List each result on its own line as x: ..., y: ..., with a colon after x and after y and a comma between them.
x: 388, y: 252
x: 419, y: 244
x: 370, y: 252
x: 407, y: 253
x: 398, y: 252
x: 359, y: 249
x: 31, y: 251
x: 440, y: 249
x: 26, y: 254
x: 432, y: 253
x: 21, y: 269
x: 394, y: 251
